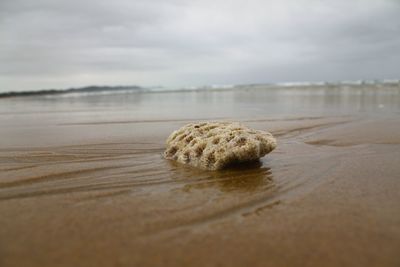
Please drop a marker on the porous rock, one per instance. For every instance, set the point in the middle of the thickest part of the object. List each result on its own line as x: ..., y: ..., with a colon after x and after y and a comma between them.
x: 215, y: 145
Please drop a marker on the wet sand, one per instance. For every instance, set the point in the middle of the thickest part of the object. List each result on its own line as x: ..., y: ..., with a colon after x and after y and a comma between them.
x: 83, y: 182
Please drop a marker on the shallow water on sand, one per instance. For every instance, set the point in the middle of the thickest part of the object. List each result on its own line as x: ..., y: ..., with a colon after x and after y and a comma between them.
x: 83, y: 182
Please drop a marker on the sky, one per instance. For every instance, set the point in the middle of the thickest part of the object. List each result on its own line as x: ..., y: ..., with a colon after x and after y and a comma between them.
x: 174, y: 43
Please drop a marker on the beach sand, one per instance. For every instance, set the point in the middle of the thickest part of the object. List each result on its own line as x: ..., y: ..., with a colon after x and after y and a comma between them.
x: 83, y: 181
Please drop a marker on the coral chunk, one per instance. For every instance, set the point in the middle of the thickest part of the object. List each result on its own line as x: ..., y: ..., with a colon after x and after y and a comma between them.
x: 216, y: 145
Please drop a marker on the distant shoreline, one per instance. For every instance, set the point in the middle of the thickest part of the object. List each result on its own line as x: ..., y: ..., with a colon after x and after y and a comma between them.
x: 134, y: 88
x: 87, y: 89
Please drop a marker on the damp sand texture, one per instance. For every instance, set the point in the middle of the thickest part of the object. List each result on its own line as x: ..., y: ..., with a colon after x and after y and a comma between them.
x: 83, y: 181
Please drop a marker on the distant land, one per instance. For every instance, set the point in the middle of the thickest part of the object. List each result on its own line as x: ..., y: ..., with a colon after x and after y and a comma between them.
x: 87, y: 89
x: 134, y: 88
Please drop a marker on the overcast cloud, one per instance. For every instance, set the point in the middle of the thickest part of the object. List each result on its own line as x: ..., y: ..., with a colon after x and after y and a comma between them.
x: 60, y: 44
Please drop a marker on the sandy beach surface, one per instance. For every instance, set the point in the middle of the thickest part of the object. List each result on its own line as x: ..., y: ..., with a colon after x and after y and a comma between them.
x: 83, y: 181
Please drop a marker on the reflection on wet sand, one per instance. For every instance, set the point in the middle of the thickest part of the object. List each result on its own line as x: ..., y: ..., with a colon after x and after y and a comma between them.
x: 242, y: 178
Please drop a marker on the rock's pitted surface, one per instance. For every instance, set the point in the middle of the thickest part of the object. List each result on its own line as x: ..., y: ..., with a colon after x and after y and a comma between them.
x: 215, y: 145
